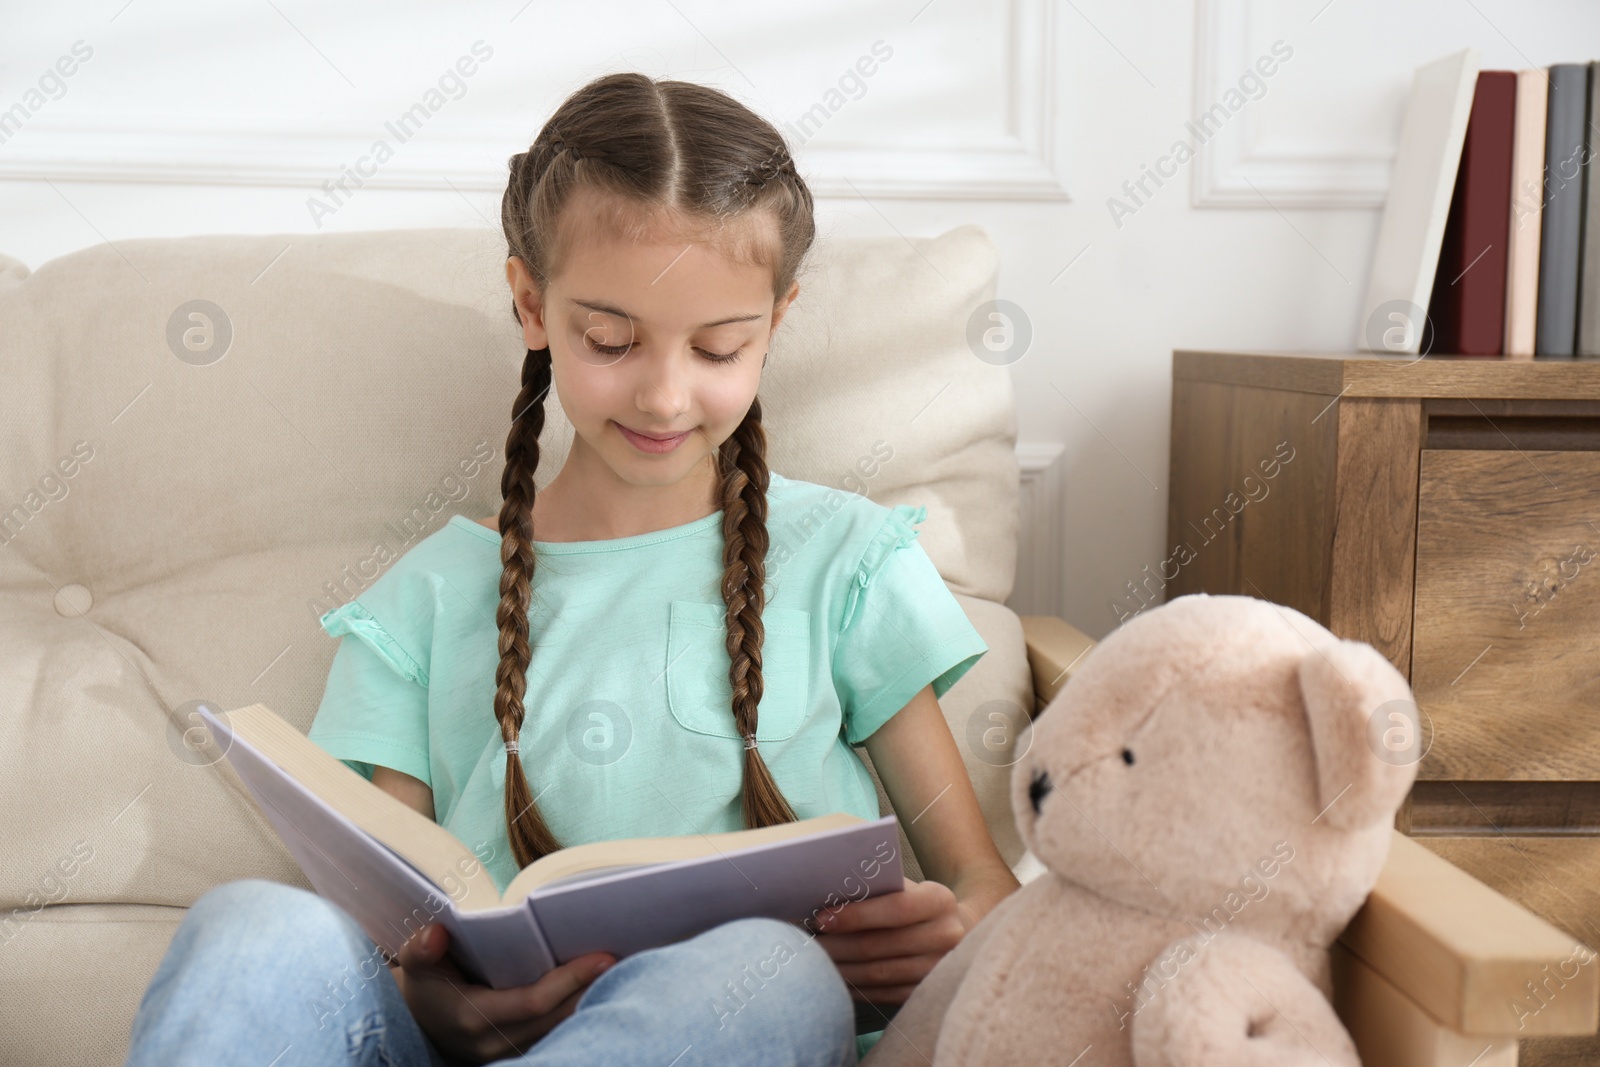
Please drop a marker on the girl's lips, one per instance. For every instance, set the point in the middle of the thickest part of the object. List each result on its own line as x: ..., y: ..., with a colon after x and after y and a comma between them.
x: 650, y: 444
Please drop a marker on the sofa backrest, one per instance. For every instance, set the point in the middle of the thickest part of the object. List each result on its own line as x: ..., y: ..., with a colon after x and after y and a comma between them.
x: 212, y: 440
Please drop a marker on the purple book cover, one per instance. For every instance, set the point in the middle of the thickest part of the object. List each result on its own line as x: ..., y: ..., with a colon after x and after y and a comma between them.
x: 618, y: 910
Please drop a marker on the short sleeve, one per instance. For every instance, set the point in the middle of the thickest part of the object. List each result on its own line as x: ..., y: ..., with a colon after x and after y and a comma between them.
x: 374, y: 709
x: 901, y: 629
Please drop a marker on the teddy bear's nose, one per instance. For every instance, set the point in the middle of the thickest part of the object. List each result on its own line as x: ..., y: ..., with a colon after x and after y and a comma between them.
x: 1038, y: 789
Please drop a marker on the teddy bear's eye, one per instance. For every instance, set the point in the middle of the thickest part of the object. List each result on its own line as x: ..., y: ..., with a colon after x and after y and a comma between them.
x: 1127, y: 756
x: 1038, y: 789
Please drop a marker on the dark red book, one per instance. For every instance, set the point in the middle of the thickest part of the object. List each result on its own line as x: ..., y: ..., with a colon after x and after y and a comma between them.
x: 1467, y: 307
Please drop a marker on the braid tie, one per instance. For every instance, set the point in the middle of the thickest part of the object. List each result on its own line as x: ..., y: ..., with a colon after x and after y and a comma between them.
x: 558, y: 146
x: 777, y: 163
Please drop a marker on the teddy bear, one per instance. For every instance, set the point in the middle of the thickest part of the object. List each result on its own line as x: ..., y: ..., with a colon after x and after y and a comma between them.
x: 1212, y: 796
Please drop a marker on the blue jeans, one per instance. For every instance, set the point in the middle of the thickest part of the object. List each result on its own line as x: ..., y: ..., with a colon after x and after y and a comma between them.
x: 259, y: 969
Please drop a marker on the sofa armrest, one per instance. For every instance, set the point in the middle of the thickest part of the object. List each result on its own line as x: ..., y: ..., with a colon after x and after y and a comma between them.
x: 1477, y: 962
x: 1055, y: 647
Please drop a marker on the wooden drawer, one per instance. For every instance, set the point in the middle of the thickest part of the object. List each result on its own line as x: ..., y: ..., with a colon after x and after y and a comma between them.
x: 1506, y: 627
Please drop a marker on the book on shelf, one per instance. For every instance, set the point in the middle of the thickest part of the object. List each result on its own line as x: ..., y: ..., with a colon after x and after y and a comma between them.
x: 1509, y: 260
x: 394, y: 870
x: 1467, y: 308
x: 1589, y: 256
x: 1418, y: 204
x: 1527, y: 213
x: 1561, y: 229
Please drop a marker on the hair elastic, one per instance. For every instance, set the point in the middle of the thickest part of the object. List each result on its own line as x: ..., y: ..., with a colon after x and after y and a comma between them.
x: 750, y: 741
x: 511, y: 748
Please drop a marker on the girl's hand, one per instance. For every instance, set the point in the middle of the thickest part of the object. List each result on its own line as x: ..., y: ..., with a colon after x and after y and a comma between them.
x: 476, y: 1024
x: 884, y: 945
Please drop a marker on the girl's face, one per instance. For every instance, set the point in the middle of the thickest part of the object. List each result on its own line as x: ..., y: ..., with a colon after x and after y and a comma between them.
x: 661, y: 337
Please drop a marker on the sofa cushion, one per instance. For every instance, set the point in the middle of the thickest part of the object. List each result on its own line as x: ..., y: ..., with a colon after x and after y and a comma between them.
x: 73, y: 978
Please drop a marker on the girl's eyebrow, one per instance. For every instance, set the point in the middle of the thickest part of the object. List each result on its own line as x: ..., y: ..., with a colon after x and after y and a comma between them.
x: 607, y: 309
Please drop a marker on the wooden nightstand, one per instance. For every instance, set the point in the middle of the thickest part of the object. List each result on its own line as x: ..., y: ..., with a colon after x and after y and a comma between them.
x: 1447, y: 511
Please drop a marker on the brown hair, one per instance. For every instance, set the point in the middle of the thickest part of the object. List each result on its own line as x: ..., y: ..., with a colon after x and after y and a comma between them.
x: 651, y: 149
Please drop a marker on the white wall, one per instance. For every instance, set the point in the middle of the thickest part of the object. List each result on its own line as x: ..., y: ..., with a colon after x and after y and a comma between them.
x: 1024, y: 116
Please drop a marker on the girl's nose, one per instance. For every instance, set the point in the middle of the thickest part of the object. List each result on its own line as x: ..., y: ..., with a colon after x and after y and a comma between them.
x: 664, y: 387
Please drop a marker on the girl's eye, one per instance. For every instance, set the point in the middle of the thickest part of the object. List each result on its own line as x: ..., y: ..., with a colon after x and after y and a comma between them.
x: 617, y: 350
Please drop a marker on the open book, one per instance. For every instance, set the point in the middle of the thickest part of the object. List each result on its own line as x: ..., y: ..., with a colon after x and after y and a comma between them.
x: 395, y: 870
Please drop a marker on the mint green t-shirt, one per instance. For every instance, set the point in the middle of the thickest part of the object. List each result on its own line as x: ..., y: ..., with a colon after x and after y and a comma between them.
x: 629, y: 729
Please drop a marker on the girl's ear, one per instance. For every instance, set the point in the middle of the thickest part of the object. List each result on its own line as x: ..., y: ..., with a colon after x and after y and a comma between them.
x: 530, y: 303
x: 782, y: 307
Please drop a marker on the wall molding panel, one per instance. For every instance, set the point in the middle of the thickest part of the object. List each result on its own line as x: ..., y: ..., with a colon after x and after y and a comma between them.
x: 1021, y: 158
x: 1235, y: 163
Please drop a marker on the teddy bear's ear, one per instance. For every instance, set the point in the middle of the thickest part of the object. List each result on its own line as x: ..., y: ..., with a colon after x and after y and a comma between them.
x: 1352, y: 695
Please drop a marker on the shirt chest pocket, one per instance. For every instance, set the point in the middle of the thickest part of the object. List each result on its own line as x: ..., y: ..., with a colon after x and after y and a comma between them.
x: 698, y: 691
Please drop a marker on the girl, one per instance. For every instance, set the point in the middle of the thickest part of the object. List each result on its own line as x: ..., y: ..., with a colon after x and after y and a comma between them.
x: 689, y: 675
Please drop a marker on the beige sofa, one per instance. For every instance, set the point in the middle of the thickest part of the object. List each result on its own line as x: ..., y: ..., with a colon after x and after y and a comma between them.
x: 211, y: 441
x: 188, y: 486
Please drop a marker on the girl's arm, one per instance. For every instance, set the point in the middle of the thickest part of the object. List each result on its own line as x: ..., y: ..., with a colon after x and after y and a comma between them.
x: 403, y: 787
x: 921, y: 769
x: 885, y: 945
